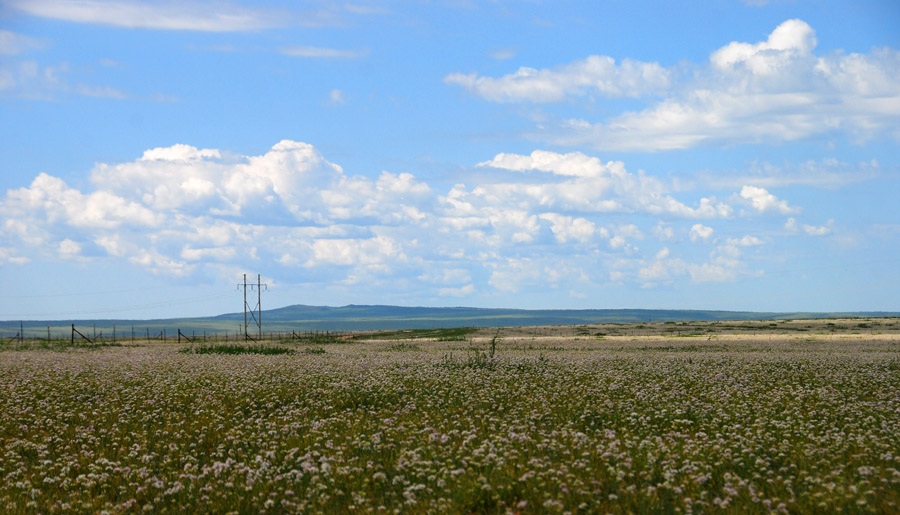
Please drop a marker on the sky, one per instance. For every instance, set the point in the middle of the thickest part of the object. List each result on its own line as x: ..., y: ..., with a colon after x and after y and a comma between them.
x: 720, y: 154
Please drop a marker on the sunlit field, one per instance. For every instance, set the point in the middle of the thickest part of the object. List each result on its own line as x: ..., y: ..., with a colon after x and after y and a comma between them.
x: 532, y: 420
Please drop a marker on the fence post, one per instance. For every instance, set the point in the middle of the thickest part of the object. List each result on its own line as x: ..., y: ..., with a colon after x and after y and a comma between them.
x: 73, y: 334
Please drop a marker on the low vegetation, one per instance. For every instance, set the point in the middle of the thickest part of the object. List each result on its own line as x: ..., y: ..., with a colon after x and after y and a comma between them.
x: 57, y: 345
x: 236, y: 348
x: 404, y: 347
x: 451, y: 334
x: 526, y: 424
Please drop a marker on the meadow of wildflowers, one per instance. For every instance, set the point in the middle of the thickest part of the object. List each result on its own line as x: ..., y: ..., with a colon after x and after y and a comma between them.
x: 740, y: 423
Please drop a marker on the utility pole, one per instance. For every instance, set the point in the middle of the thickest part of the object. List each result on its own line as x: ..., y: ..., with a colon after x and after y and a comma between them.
x: 255, y: 313
x: 259, y: 302
x: 245, y: 306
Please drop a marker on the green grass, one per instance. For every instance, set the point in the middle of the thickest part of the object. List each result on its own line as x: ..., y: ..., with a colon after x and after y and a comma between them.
x: 321, y: 338
x: 452, y: 334
x: 683, y: 348
x: 237, y: 348
x: 473, y: 360
x: 55, y: 345
x: 404, y: 347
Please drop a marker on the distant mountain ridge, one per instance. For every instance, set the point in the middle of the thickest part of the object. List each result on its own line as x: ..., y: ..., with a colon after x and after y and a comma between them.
x: 358, y: 317
x: 353, y: 317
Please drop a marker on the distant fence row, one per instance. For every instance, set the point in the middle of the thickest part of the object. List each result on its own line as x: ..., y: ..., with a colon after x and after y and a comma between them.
x: 29, y: 332
x: 91, y: 334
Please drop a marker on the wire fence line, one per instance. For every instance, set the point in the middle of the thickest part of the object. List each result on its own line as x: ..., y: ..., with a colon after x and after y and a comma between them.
x: 92, y: 334
x: 22, y: 332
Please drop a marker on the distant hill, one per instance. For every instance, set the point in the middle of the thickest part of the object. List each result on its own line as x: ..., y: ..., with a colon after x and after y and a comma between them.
x: 375, y: 317
x: 361, y: 317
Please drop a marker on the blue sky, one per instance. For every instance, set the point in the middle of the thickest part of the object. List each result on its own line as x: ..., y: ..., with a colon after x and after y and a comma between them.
x: 702, y: 155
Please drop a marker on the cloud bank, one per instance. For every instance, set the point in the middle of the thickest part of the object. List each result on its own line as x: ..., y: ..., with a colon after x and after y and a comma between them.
x: 771, y: 91
x: 567, y: 220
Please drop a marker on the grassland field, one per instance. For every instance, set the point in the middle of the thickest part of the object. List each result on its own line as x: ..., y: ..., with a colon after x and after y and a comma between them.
x: 799, y: 416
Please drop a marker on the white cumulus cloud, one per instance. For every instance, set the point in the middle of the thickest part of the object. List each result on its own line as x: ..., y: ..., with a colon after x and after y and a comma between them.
x: 567, y: 228
x: 761, y: 201
x: 810, y: 230
x: 589, y: 185
x: 525, y: 222
x: 791, y: 39
x: 700, y: 232
x: 770, y: 91
x: 596, y: 73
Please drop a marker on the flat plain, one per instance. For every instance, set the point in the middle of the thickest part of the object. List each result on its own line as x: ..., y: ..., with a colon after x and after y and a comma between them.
x: 757, y: 416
